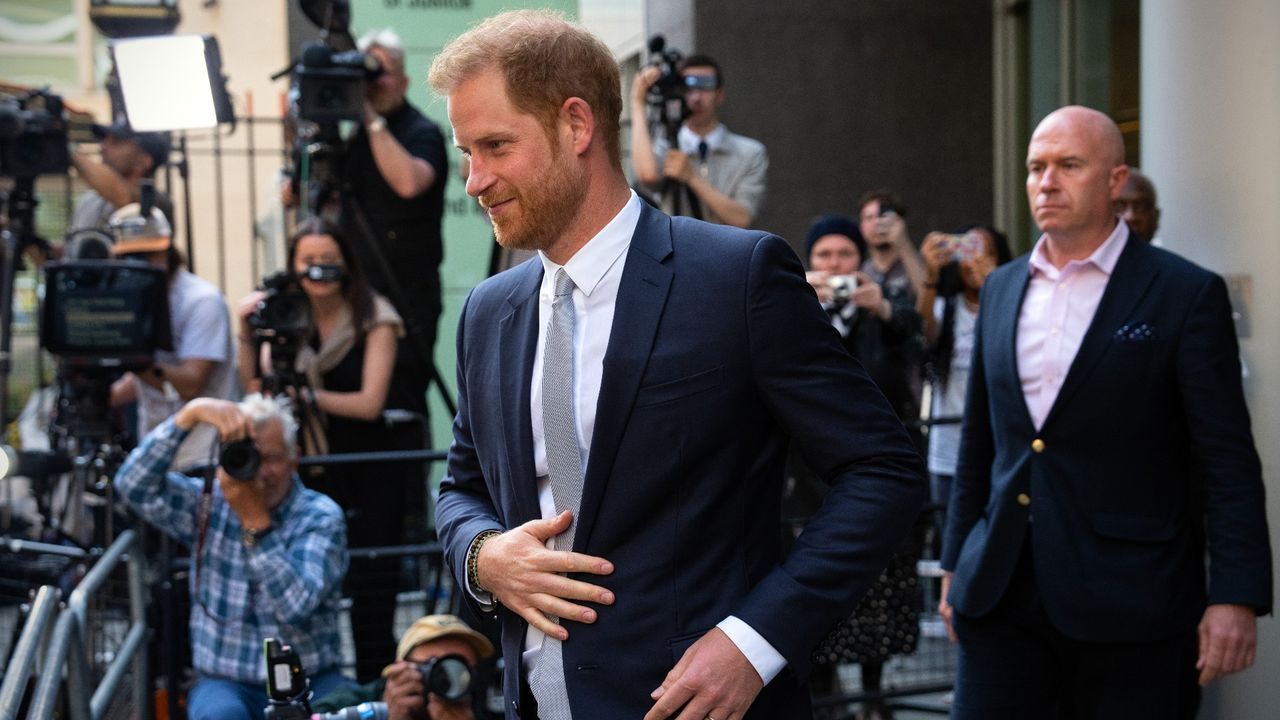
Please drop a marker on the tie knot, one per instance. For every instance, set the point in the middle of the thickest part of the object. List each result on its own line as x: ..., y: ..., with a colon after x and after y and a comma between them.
x: 564, y: 283
x: 702, y: 150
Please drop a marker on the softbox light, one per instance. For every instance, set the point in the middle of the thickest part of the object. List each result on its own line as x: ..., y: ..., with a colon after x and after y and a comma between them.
x: 172, y: 83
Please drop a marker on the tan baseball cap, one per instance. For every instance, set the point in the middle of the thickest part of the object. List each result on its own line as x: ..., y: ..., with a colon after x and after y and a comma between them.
x: 434, y: 627
x: 135, y: 233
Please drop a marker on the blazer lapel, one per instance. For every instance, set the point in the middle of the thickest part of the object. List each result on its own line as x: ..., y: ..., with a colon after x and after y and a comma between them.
x: 1002, y: 336
x: 1128, y: 283
x: 642, y: 296
x: 517, y: 342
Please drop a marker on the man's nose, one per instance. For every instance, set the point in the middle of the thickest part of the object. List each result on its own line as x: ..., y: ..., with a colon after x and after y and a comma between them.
x: 478, y: 178
x: 1048, y: 179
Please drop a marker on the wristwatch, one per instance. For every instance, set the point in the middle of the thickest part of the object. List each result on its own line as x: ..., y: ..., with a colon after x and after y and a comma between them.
x: 251, y: 538
x: 378, y: 125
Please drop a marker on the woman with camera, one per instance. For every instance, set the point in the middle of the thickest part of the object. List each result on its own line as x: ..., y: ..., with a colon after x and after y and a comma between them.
x: 956, y: 267
x: 342, y: 374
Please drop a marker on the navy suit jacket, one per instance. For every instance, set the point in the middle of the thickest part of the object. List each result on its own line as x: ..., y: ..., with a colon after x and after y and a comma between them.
x: 718, y: 351
x: 1145, y: 451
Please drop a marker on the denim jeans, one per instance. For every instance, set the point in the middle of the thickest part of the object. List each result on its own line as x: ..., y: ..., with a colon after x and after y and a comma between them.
x: 220, y: 699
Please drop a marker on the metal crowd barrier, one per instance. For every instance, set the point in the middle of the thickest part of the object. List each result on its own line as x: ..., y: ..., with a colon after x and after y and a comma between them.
x: 67, y: 657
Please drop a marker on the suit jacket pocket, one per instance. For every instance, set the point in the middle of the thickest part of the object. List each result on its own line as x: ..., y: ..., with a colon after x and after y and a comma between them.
x: 680, y: 388
x: 1134, y: 528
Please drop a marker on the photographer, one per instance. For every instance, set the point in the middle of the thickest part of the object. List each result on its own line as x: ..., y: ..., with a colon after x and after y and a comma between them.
x: 401, y: 685
x: 893, y: 261
x: 128, y: 158
x: 200, y: 363
x: 726, y: 172
x: 346, y: 359
x: 879, y: 330
x: 267, y: 553
x: 957, y: 267
x: 395, y: 174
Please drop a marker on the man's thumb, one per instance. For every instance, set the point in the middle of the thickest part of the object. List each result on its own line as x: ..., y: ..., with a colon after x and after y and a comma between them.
x: 548, y: 528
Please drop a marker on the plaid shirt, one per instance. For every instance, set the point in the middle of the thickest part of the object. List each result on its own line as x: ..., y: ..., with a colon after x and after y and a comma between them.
x: 288, y: 586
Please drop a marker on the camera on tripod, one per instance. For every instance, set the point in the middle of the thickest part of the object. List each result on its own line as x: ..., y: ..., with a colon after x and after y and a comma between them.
x: 666, y: 95
x: 332, y: 83
x: 33, y: 135
x: 282, y: 318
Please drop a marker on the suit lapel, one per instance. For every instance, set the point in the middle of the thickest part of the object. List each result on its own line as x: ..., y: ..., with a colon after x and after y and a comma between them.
x: 1002, y: 337
x: 517, y: 342
x: 642, y: 295
x: 1128, y: 283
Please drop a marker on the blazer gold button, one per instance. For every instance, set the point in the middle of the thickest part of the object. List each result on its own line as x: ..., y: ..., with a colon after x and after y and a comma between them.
x: 1037, y: 445
x: 1023, y: 498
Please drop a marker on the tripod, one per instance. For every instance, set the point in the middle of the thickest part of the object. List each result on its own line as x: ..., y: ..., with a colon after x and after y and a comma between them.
x: 672, y: 113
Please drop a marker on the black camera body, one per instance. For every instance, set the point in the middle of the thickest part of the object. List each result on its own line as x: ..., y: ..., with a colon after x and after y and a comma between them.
x: 240, y: 459
x: 670, y: 85
x: 283, y: 316
x: 33, y: 135
x: 287, y: 686
x: 332, y: 83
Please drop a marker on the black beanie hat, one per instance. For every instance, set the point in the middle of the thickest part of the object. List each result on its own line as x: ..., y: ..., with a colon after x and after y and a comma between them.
x: 834, y: 224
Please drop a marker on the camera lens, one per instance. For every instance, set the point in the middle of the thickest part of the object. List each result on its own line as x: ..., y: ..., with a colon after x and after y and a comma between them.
x: 447, y: 676
x: 240, y: 459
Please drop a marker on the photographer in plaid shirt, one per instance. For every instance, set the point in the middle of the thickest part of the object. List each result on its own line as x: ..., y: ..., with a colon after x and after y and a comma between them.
x: 268, y: 554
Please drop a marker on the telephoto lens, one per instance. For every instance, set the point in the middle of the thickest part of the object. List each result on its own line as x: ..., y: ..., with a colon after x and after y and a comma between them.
x: 448, y: 676
x: 240, y: 459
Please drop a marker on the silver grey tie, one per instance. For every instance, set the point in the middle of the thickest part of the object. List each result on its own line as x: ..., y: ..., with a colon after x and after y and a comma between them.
x: 564, y: 467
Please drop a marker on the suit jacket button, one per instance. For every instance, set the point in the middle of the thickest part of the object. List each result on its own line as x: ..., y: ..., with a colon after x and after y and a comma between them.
x: 1037, y: 445
x: 1024, y: 499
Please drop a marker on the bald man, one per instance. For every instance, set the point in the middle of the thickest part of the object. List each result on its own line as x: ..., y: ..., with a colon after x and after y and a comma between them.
x: 1106, y: 443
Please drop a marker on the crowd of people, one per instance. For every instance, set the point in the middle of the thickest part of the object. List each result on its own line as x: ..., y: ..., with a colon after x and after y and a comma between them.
x: 596, y: 499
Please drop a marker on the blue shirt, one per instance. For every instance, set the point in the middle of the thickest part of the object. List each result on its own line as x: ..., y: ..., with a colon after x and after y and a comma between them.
x: 287, y: 586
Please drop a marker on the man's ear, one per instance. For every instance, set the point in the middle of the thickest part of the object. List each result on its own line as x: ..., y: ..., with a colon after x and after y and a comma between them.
x: 1119, y: 176
x: 578, y: 123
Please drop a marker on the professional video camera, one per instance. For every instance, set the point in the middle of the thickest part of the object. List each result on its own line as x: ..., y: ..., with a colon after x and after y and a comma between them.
x: 33, y: 135
x: 666, y: 95
x: 282, y: 320
x: 101, y: 318
x: 331, y: 83
x: 666, y: 102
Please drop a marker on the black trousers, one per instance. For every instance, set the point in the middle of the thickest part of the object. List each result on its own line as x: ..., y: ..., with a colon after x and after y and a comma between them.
x: 1013, y: 663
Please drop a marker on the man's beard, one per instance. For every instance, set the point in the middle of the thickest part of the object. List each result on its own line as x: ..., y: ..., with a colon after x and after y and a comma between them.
x: 544, y: 209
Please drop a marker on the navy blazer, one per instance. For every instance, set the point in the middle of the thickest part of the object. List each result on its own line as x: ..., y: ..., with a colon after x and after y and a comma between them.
x: 718, y: 351
x: 1146, y: 449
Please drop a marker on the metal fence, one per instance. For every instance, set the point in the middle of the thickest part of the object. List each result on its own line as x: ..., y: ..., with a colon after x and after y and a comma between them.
x: 93, y: 664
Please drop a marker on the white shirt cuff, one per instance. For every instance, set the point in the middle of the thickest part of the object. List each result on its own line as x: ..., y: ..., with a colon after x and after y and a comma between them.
x: 767, y: 661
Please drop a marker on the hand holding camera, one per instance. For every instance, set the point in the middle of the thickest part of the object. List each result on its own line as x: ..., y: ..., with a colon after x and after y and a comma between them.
x: 442, y: 686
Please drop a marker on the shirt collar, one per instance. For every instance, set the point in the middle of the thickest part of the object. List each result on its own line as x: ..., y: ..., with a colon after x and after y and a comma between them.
x: 588, y: 266
x: 1103, y: 258
x: 689, y: 139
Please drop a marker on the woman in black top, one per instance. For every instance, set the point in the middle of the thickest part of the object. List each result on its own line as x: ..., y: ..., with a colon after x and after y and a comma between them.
x: 342, y: 375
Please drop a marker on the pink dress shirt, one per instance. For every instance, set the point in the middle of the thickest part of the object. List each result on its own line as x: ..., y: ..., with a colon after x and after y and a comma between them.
x: 1056, y: 312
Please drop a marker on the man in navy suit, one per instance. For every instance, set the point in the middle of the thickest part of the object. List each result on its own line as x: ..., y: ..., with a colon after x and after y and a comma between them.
x: 694, y: 351
x: 1106, y: 442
